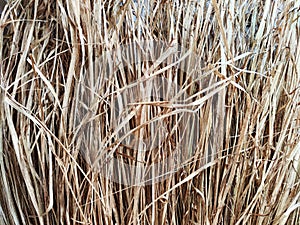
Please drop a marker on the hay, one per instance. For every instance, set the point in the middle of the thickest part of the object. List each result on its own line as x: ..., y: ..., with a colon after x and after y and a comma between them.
x: 60, y: 89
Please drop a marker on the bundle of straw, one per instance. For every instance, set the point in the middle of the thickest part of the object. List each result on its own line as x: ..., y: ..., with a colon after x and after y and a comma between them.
x: 87, y: 82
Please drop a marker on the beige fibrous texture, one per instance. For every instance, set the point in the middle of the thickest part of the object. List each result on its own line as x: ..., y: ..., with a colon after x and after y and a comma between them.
x: 243, y: 84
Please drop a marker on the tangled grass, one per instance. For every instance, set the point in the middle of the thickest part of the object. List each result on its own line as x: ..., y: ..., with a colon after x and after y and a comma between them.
x: 248, y: 63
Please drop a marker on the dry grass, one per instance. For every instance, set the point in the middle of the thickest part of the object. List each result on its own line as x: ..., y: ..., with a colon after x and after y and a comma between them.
x: 248, y: 58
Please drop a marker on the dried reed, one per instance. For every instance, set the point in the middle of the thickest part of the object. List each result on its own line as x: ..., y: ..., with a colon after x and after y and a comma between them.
x: 244, y: 88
